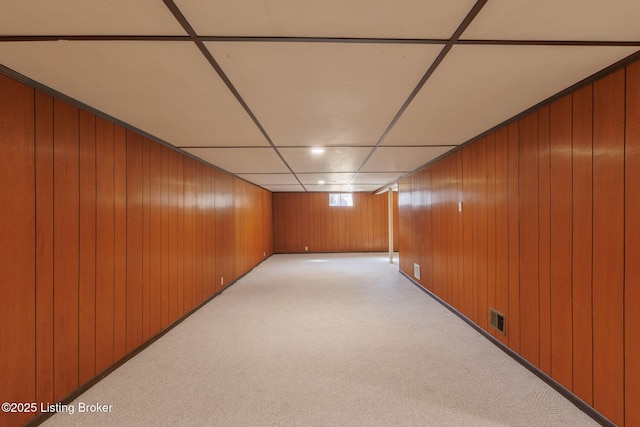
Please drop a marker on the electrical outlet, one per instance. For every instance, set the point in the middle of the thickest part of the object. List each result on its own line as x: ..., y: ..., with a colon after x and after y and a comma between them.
x: 222, y: 280
x: 264, y: 254
x: 306, y: 248
x: 416, y: 271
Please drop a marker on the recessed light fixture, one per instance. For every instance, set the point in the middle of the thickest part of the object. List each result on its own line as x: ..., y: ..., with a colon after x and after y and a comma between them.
x: 317, y: 150
x: 321, y: 182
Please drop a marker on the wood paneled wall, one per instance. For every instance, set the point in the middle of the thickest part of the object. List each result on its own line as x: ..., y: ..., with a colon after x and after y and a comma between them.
x: 549, y: 235
x: 107, y: 239
x: 306, y: 220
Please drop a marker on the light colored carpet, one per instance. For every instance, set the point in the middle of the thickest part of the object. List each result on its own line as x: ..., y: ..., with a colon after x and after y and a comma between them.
x: 324, y: 340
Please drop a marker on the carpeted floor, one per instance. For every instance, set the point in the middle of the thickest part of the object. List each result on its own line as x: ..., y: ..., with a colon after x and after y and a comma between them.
x: 323, y: 340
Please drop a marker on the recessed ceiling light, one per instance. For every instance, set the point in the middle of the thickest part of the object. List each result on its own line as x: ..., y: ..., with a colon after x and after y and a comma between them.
x: 317, y: 150
x: 321, y: 182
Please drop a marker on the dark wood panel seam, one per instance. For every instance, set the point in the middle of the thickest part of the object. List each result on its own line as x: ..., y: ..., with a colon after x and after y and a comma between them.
x: 579, y: 403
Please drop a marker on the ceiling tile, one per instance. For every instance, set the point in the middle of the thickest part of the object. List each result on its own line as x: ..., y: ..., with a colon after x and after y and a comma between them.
x: 376, y: 178
x: 270, y: 178
x: 324, y: 93
x: 368, y: 188
x: 82, y: 17
x: 338, y: 188
x: 557, y: 20
x: 284, y: 188
x: 328, y: 18
x: 478, y: 87
x: 165, y: 88
x: 334, y: 159
x: 328, y: 178
x: 401, y: 159
x: 242, y: 160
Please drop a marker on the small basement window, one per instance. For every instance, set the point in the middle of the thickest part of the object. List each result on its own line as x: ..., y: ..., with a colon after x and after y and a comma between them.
x: 340, y: 199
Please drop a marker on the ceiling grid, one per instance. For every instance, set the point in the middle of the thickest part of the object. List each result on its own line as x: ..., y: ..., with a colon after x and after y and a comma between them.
x: 251, y: 88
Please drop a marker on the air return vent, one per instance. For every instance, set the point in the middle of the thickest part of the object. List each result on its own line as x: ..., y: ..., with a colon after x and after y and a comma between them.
x: 498, y: 321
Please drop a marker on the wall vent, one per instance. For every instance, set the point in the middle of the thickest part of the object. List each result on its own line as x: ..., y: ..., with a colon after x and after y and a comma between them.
x: 498, y: 321
x: 416, y: 271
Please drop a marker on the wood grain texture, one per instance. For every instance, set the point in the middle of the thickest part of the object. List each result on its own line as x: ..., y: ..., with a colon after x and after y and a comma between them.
x: 44, y: 246
x: 528, y: 239
x: 608, y: 246
x: 306, y: 220
x: 544, y: 239
x: 134, y: 301
x: 66, y: 183
x: 120, y: 243
x: 582, y: 244
x: 514, y: 243
x: 17, y: 260
x: 561, y: 235
x: 632, y: 248
x: 502, y: 230
x: 105, y: 244
x: 87, y: 239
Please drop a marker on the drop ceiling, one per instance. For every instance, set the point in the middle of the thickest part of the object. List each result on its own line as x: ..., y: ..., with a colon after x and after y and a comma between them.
x: 252, y: 87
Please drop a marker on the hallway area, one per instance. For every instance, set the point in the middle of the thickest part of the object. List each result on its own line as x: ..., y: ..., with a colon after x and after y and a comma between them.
x: 323, y: 340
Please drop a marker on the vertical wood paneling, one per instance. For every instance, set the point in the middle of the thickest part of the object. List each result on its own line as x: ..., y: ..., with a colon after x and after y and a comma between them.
x: 582, y: 244
x: 502, y: 230
x: 528, y: 239
x: 155, y: 240
x: 561, y: 237
x: 544, y: 239
x: 105, y: 244
x: 164, y: 238
x: 146, y: 238
x: 135, y: 243
x: 490, y: 197
x: 66, y: 220
x: 120, y: 242
x: 306, y: 219
x: 44, y: 245
x: 101, y: 225
x: 17, y: 260
x: 632, y: 248
x: 466, y: 304
x: 87, y: 278
x: 561, y: 232
x: 608, y: 246
x: 481, y: 245
x: 514, y: 245
x: 172, y: 192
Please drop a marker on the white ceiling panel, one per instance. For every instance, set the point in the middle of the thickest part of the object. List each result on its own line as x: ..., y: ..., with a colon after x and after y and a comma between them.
x: 328, y: 178
x: 167, y: 89
x: 401, y: 159
x: 328, y: 18
x: 478, y: 87
x: 324, y: 93
x: 87, y: 17
x: 338, y: 188
x: 270, y: 178
x: 369, y: 188
x: 242, y: 160
x: 376, y: 178
x: 612, y: 20
x: 334, y: 159
x: 285, y: 188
